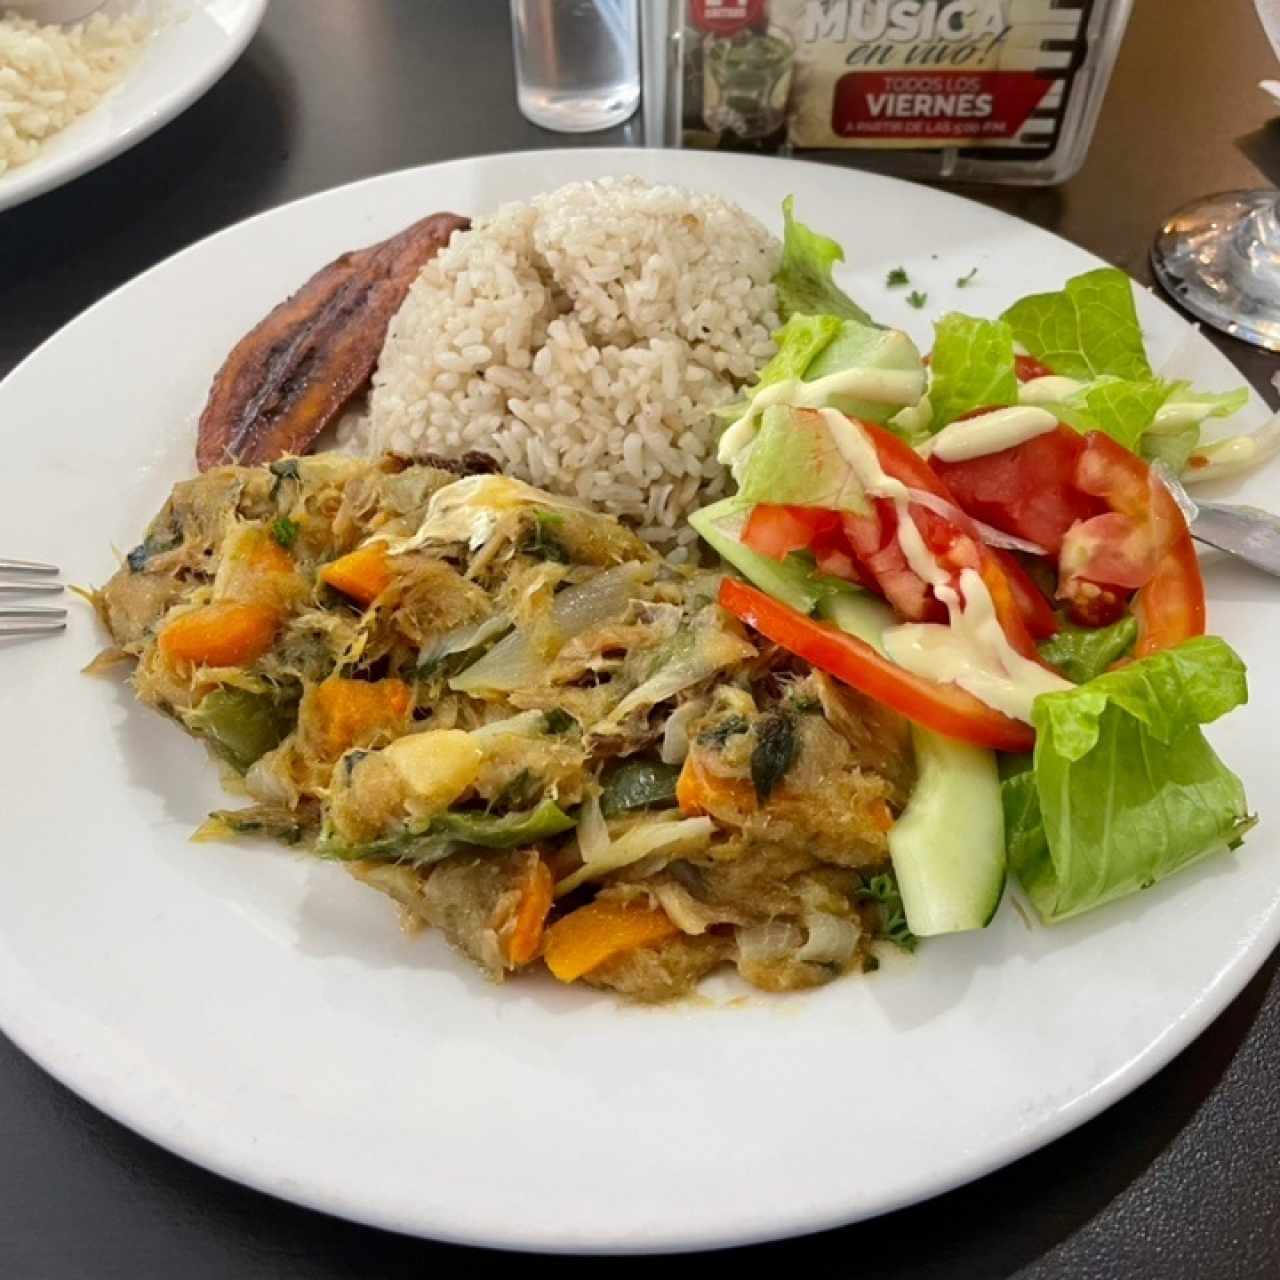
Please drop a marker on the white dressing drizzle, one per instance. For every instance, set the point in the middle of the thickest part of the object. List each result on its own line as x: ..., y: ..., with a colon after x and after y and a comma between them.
x: 972, y: 651
x: 990, y: 433
x: 1047, y: 390
x: 878, y: 386
x: 858, y: 451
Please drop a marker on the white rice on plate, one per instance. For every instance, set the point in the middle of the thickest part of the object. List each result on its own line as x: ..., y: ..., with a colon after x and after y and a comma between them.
x: 51, y: 75
x: 583, y: 340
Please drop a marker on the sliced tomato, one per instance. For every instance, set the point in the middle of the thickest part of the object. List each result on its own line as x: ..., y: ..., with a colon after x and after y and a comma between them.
x: 1033, y: 605
x: 777, y: 530
x: 944, y: 708
x: 873, y: 540
x: 1028, y: 367
x: 1170, y: 608
x: 1150, y: 547
x: 956, y: 542
x: 1029, y: 491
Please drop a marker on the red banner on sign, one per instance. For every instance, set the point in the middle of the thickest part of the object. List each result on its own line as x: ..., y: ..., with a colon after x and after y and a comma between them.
x: 724, y: 17
x: 935, y: 105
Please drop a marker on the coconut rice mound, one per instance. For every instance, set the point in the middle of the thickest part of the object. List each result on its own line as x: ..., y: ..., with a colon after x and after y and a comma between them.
x: 584, y: 340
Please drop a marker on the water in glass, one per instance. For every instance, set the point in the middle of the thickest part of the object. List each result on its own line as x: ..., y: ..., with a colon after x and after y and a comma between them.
x: 577, y: 62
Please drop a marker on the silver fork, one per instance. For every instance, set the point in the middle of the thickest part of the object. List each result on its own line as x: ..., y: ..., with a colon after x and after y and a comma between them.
x: 1249, y: 533
x: 32, y: 580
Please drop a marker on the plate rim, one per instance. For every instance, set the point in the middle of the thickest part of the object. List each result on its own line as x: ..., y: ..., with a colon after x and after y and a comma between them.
x: 22, y: 186
x: 1219, y: 990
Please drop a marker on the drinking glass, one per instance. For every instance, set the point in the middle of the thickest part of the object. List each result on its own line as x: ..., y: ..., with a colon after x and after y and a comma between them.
x: 577, y: 62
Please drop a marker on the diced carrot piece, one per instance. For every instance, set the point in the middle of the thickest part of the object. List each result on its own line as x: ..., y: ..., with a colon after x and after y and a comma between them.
x: 698, y: 790
x: 220, y: 635
x: 339, y: 714
x: 364, y: 574
x: 531, y: 915
x: 586, y: 938
x: 263, y: 554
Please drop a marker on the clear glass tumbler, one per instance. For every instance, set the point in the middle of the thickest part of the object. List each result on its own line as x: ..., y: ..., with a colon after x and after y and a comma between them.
x: 577, y: 62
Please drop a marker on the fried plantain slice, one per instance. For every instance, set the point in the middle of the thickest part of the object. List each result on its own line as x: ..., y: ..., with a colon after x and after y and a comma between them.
x: 295, y: 372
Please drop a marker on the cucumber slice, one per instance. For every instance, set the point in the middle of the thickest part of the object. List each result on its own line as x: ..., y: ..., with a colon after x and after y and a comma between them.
x: 948, y: 844
x: 792, y: 581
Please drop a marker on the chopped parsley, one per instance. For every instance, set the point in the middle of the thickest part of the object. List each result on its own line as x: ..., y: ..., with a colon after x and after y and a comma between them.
x: 897, y: 278
x: 557, y: 720
x: 542, y: 541
x: 883, y: 890
x: 285, y: 531
x: 917, y: 299
x: 963, y: 281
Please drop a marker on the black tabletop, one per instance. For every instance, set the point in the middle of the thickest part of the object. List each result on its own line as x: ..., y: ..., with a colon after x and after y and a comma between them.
x: 1180, y: 1180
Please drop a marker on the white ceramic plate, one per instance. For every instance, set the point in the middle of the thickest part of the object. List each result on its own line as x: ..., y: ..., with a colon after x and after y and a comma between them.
x: 196, y: 42
x: 262, y: 1016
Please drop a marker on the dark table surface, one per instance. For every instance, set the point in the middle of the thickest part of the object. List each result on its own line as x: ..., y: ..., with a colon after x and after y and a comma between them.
x: 1180, y: 1180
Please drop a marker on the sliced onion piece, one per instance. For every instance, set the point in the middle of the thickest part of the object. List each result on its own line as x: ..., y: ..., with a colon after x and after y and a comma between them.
x: 1219, y: 459
x: 674, y: 839
x: 992, y: 537
x: 675, y: 734
x: 516, y: 662
x: 831, y: 939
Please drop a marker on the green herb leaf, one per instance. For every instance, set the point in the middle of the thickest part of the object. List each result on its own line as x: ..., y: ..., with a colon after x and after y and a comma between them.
x: 557, y: 721
x: 720, y: 733
x: 285, y: 531
x: 897, y: 278
x: 883, y: 890
x: 803, y: 278
x: 775, y: 752
x: 963, y: 282
x: 917, y: 299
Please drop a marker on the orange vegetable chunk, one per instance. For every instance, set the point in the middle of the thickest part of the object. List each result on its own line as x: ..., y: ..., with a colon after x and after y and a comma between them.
x: 363, y: 574
x: 531, y: 915
x: 698, y: 790
x: 339, y: 714
x: 220, y: 635
x: 586, y: 938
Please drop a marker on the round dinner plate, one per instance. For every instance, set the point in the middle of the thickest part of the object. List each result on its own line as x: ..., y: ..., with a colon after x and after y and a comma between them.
x: 261, y: 1014
x: 196, y: 41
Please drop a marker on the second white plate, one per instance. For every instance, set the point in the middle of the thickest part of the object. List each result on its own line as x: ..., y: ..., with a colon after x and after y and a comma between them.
x: 195, y: 44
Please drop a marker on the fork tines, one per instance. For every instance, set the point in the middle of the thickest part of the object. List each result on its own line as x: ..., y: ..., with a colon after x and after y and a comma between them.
x: 28, y: 620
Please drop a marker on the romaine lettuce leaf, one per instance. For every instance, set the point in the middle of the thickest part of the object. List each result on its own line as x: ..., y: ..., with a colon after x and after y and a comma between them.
x: 860, y: 346
x: 800, y: 341
x: 1122, y: 408
x: 1184, y: 401
x: 1175, y: 433
x: 804, y: 278
x: 1083, y: 653
x: 1124, y: 789
x: 1173, y: 448
x: 972, y: 367
x: 801, y: 460
x: 1086, y: 329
